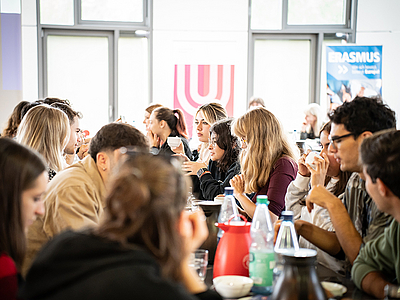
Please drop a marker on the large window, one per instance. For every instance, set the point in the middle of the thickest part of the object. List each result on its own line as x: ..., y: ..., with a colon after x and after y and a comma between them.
x: 286, y: 50
x: 97, y: 56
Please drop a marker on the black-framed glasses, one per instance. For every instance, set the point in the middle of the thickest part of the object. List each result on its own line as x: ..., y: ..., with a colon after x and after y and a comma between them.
x: 334, y: 140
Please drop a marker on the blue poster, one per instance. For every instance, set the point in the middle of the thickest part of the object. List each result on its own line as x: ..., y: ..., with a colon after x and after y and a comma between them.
x: 353, y: 71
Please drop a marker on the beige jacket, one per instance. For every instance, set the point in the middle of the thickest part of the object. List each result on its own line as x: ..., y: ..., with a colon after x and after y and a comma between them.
x: 74, y: 199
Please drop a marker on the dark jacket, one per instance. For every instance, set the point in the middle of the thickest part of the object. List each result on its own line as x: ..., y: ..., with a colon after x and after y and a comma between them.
x: 214, y: 183
x: 78, y: 265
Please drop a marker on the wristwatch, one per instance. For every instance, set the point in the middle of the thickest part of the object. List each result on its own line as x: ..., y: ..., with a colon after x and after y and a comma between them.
x: 201, y: 171
x: 391, y: 291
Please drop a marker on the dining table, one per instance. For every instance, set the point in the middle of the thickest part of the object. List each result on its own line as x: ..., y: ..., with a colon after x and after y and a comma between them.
x: 211, y: 209
x: 324, y: 274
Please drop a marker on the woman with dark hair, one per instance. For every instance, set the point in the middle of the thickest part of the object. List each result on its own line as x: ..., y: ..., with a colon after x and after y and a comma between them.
x: 223, y: 164
x: 15, y: 119
x: 141, y: 249
x: 205, y: 117
x: 164, y: 123
x: 325, y: 172
x: 23, y: 179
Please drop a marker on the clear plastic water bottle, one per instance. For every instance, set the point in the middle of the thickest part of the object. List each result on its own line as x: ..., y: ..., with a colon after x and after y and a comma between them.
x: 228, y: 209
x: 286, y: 241
x: 261, y: 252
x: 294, y: 136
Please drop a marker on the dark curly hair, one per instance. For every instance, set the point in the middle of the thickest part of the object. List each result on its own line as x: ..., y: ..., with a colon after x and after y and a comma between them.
x: 380, y: 156
x: 364, y: 114
x: 226, y: 141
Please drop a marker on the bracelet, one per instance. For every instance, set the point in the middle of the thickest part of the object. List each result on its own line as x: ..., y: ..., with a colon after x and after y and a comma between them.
x: 391, y: 291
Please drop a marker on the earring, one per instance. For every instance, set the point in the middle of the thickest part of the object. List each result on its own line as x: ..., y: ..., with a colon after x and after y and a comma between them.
x: 104, y: 169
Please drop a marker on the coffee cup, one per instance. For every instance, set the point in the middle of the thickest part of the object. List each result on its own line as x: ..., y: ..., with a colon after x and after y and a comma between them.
x: 173, y: 141
x: 310, y: 159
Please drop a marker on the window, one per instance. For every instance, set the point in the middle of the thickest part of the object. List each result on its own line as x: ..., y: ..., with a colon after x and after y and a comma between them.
x: 97, y: 56
x: 295, y: 34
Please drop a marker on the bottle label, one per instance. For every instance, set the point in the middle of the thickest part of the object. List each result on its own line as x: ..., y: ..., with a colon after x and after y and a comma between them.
x: 261, y: 268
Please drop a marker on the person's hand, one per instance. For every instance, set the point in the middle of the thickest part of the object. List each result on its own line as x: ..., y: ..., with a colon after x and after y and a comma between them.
x: 321, y: 168
x: 303, y: 170
x: 154, y: 140
x: 320, y: 196
x: 194, y: 230
x: 304, y: 126
x: 179, y: 149
x: 192, y: 167
x: 83, y: 151
x: 237, y: 182
x: 183, y: 157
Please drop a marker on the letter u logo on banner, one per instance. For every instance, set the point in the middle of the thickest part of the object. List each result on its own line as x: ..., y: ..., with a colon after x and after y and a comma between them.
x: 196, y: 85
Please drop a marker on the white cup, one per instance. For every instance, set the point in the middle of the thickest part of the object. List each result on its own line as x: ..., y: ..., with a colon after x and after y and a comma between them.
x: 310, y: 159
x: 173, y: 141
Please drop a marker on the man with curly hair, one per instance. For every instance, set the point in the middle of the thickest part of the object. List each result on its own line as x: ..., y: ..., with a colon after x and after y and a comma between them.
x: 357, y: 219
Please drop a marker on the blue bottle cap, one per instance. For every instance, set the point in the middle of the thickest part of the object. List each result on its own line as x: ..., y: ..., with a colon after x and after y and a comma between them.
x: 287, y: 215
x: 228, y: 191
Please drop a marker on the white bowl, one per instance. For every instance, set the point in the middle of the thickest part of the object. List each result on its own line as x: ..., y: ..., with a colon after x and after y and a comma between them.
x: 173, y: 141
x: 233, y: 286
x: 219, y: 198
x: 335, y: 288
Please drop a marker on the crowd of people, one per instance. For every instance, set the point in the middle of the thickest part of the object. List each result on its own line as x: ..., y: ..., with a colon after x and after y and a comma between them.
x: 105, y: 217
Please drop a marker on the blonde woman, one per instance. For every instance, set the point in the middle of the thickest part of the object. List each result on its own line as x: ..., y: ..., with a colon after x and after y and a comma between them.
x: 205, y: 117
x: 313, y: 122
x: 268, y: 161
x: 46, y: 129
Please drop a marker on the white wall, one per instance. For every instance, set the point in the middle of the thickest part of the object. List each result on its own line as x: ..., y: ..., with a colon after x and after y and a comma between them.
x: 220, y: 27
x: 196, y: 32
x: 378, y: 24
x: 29, y: 51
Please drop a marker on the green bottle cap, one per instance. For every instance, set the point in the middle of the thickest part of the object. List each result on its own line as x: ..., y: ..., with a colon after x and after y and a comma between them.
x: 262, y: 199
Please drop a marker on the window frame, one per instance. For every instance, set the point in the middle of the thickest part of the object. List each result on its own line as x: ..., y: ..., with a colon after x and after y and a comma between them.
x: 97, y: 28
x: 348, y: 30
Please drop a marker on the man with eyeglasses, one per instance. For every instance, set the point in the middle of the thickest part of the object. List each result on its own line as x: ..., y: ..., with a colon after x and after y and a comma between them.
x: 357, y: 219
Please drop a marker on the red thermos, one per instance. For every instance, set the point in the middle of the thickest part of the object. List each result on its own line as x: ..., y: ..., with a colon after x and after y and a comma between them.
x: 232, y: 255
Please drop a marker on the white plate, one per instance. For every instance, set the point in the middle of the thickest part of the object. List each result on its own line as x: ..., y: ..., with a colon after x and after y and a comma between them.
x: 207, y: 202
x: 335, y: 288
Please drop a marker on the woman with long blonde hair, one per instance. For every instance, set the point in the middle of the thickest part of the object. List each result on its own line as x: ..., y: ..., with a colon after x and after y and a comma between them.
x: 46, y: 129
x: 268, y: 161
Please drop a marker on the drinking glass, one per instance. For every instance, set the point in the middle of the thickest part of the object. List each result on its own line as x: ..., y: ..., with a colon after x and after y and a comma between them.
x: 199, y: 262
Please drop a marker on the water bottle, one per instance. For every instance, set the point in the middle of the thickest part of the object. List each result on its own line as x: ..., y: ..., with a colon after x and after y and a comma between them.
x: 261, y: 252
x: 228, y: 209
x: 294, y: 136
x: 286, y: 241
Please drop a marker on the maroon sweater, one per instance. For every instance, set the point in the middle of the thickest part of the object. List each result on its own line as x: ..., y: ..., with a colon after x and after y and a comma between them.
x: 283, y: 172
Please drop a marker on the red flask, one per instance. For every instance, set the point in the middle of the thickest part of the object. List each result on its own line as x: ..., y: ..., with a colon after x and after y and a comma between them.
x: 232, y: 255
